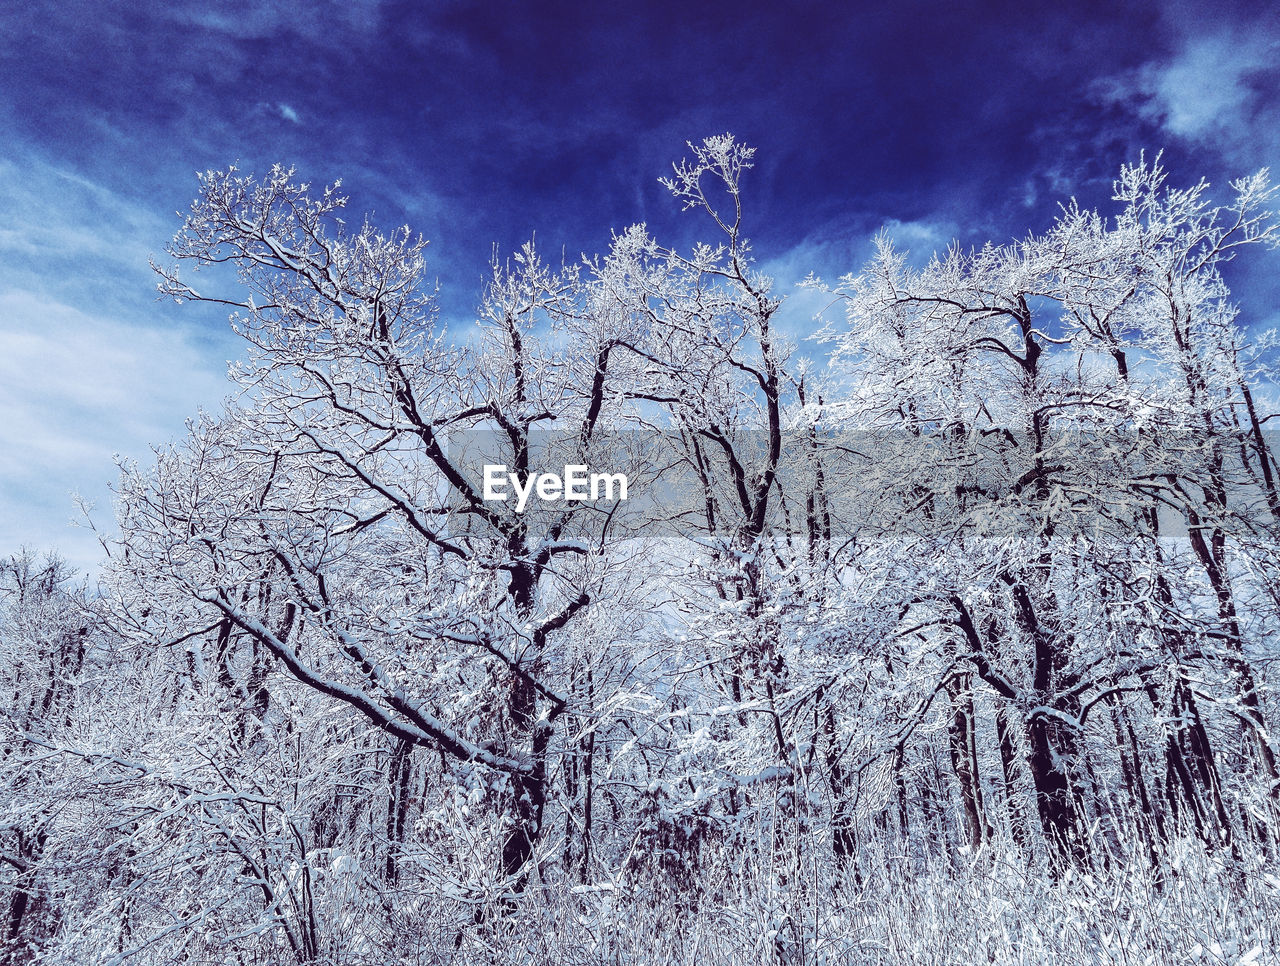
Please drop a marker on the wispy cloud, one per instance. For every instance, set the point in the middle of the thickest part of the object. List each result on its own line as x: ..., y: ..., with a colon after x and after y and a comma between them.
x: 1213, y: 91
x: 840, y: 249
x: 921, y: 237
x: 54, y: 213
x: 330, y: 22
x: 90, y: 364
x: 76, y: 389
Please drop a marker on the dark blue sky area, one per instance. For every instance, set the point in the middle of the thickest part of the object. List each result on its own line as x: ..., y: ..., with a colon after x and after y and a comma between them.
x: 481, y: 124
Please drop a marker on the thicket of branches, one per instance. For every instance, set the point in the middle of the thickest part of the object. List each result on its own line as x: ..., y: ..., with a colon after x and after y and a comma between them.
x: 960, y: 649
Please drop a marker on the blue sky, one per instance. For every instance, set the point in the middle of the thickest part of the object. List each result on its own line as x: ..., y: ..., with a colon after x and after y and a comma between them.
x: 480, y: 124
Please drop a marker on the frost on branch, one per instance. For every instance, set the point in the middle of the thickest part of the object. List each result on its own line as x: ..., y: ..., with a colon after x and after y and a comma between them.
x: 958, y: 649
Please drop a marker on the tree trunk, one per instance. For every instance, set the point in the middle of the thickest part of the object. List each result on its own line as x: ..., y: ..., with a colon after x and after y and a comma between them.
x: 399, y: 771
x: 844, y: 839
x: 1052, y: 743
x: 1009, y: 767
x: 964, y: 760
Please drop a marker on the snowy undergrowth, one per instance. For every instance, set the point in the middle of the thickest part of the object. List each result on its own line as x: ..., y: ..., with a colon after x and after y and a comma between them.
x: 992, y: 909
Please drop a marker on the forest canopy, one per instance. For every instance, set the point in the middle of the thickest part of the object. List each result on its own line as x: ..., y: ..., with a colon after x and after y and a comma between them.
x: 961, y: 647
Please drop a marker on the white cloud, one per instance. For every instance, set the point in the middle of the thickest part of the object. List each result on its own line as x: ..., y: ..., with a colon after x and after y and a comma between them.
x: 827, y: 256
x: 921, y: 237
x: 76, y: 389
x: 838, y: 250
x: 288, y: 113
x: 1205, y: 89
x: 90, y: 364
x: 328, y: 23
x: 51, y: 211
x: 1208, y: 93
